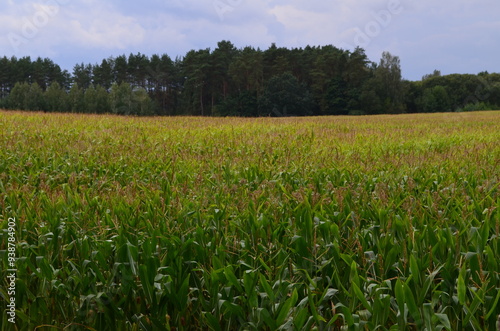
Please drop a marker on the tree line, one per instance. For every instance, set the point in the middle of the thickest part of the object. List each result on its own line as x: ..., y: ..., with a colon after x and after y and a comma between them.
x: 228, y: 81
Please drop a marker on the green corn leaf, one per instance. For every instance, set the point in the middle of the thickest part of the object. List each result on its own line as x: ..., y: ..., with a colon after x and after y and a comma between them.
x: 354, y: 274
x: 381, y: 308
x: 232, y: 309
x: 217, y: 264
x: 300, y: 318
x: 266, y: 317
x: 428, y: 282
x: 267, y: 288
x: 492, y: 259
x: 183, y: 294
x: 400, y: 299
x: 347, y: 314
x: 474, y: 306
x: 361, y: 297
x: 262, y: 263
x: 250, y: 280
x: 314, y: 310
x: 493, y: 306
x: 146, y: 284
x: 410, y: 302
x: 286, y: 308
x: 229, y: 273
x: 461, y: 289
x: 131, y: 256
x: 444, y: 320
x: 45, y: 269
x: 415, y: 270
x: 212, y: 322
x: 328, y: 294
x: 427, y: 309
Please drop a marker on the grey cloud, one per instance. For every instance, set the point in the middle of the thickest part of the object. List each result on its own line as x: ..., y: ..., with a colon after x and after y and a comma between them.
x: 458, y: 35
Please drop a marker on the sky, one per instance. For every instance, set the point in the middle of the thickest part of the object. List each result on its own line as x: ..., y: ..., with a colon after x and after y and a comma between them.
x: 453, y: 36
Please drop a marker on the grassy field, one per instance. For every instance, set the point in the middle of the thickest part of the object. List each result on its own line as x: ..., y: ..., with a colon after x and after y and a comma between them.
x: 355, y: 223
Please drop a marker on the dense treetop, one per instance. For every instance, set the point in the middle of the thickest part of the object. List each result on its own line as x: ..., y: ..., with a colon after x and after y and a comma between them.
x: 228, y: 81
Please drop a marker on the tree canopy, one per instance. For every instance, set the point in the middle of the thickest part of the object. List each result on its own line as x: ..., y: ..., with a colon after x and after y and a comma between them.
x: 227, y: 81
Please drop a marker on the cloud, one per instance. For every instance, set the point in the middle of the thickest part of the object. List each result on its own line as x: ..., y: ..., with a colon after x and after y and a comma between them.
x: 43, y: 27
x: 451, y: 35
x: 306, y: 27
x: 105, y: 30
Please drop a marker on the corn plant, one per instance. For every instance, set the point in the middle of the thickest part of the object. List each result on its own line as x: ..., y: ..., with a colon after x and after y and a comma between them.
x: 332, y: 223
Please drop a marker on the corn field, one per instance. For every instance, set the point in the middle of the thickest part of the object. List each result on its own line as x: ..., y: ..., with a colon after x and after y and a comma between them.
x: 331, y: 223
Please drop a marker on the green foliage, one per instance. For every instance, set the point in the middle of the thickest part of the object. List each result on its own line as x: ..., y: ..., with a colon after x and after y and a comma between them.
x: 435, y: 73
x: 82, y: 75
x: 56, y: 99
x: 26, y: 96
x: 387, y: 76
x: 247, y: 70
x: 96, y: 100
x: 142, y: 103
x: 18, y: 96
x: 384, y: 222
x: 121, y: 99
x: 228, y: 81
x: 461, y: 91
x: 435, y: 99
x: 102, y: 100
x: 285, y: 96
x: 76, y: 99
x: 243, y: 104
x: 337, y: 98
x: 475, y: 107
x: 125, y: 101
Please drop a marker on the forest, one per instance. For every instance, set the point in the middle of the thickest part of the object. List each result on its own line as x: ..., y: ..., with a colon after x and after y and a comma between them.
x: 227, y: 81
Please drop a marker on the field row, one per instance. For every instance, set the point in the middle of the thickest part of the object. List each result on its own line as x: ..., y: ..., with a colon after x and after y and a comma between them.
x: 388, y: 222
